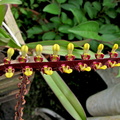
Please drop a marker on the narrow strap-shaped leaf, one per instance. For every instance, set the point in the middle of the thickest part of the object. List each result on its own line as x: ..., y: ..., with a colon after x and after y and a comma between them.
x: 68, y: 94
x: 62, y: 98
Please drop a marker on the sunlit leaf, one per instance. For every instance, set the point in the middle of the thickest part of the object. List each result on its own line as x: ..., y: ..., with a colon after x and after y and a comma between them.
x: 10, y: 2
x: 3, y: 9
x: 52, y: 8
x: 87, y: 29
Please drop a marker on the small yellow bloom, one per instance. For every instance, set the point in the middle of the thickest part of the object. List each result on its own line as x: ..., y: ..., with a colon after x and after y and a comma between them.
x: 38, y: 49
x: 100, y: 48
x: 24, y: 50
x: 66, y: 69
x: 86, y: 47
x: 9, y: 72
x: 55, y: 49
x: 28, y: 71
x: 114, y: 48
x: 47, y: 70
x: 10, y: 53
x: 70, y: 48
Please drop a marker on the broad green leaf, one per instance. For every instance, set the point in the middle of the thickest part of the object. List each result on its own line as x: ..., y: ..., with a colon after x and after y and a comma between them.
x: 10, y: 2
x: 3, y: 41
x: 55, y: 20
x: 61, y: 1
x: 109, y: 3
x: 48, y: 36
x: 52, y: 8
x: 87, y: 29
x: 34, y: 30
x: 63, y: 17
x: 70, y: 36
x: 68, y: 6
x: 3, y: 9
x: 89, y: 9
x: 64, y: 28
x: 77, y: 3
x: 78, y: 14
x: 108, y: 28
x: 111, y: 13
x: 97, y: 5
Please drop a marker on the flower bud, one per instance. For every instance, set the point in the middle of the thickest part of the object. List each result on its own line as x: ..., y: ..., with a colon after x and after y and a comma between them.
x: 10, y: 53
x: 38, y: 49
x: 55, y: 49
x: 24, y: 50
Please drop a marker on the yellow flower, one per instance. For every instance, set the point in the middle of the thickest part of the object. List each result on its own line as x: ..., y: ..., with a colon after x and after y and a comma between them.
x: 38, y: 49
x: 10, y: 53
x: 24, y: 50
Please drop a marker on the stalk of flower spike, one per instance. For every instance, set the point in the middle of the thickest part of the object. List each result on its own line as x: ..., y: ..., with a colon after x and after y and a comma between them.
x: 55, y: 57
x: 23, y: 56
x: 99, y: 54
x: 10, y: 53
x: 70, y: 56
x: 38, y: 50
x: 86, y: 55
x: 20, y: 96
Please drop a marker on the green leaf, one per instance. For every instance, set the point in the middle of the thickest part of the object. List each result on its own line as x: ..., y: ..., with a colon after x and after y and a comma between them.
x: 48, y: 36
x: 52, y: 8
x: 109, y: 3
x: 34, y: 30
x: 70, y: 36
x: 69, y: 101
x: 111, y: 13
x: 87, y: 29
x: 55, y: 20
x: 68, y: 6
x: 64, y: 28
x: 12, y: 44
x: 77, y: 3
x: 10, y: 2
x: 62, y: 98
x: 63, y: 17
x: 108, y: 28
x: 61, y: 1
x: 89, y: 9
x: 78, y: 14
x: 97, y: 5
x: 3, y: 9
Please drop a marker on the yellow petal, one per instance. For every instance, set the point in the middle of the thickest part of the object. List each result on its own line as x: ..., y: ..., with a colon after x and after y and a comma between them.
x: 100, y: 48
x: 117, y: 65
x: 24, y: 50
x: 8, y: 74
x: 49, y: 72
x: 68, y: 71
x: 38, y: 49
x: 10, y: 53
x: 103, y: 67
x: 55, y: 49
x: 87, y: 69
x: 28, y: 73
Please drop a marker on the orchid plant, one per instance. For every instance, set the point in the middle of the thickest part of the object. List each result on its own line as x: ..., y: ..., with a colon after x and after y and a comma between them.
x: 29, y: 64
